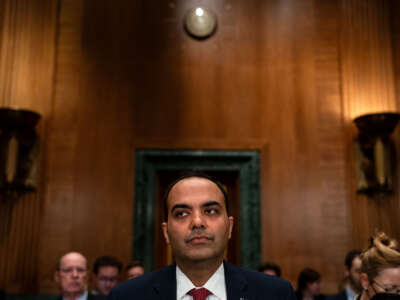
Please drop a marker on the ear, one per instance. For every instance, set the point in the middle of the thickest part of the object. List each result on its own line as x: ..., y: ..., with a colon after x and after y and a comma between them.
x: 230, y: 220
x: 57, y: 276
x: 164, y: 228
x: 364, y: 281
x: 346, y: 273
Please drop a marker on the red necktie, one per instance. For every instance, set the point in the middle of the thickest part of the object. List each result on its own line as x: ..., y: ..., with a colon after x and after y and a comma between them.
x: 199, y: 294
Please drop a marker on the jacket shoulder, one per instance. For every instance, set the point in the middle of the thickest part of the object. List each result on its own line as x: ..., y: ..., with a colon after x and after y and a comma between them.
x: 259, y: 283
x: 96, y: 297
x: 146, y: 285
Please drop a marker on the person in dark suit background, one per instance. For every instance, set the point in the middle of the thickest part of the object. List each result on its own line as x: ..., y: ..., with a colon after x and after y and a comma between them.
x: 106, y: 272
x: 134, y: 269
x: 308, y: 285
x: 198, y: 228
x: 352, y: 273
x: 270, y: 268
x: 72, y: 275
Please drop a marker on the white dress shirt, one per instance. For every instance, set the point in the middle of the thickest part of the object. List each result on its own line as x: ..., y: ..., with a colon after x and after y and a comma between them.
x: 216, y: 285
x: 350, y: 293
x: 83, y: 297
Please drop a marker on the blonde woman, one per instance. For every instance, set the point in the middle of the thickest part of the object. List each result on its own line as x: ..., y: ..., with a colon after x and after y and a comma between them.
x: 380, y: 270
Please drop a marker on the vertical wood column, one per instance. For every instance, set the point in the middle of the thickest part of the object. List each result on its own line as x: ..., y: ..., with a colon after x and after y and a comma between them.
x: 27, y: 50
x: 331, y: 143
x: 367, y: 64
x: 368, y: 87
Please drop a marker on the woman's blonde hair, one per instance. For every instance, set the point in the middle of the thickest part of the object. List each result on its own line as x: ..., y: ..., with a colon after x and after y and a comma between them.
x: 382, y: 252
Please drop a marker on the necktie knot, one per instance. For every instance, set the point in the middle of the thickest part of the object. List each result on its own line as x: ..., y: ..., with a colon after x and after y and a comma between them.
x: 199, y: 294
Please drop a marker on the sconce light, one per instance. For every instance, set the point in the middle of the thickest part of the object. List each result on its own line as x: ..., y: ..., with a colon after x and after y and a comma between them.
x: 19, y: 149
x: 375, y: 153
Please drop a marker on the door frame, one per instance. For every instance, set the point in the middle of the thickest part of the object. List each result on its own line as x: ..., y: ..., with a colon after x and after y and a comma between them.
x: 149, y: 162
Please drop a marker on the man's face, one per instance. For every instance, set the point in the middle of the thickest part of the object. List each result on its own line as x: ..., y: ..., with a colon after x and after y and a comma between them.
x: 135, y: 272
x: 72, y: 274
x: 105, y: 279
x: 354, y: 275
x: 198, y: 227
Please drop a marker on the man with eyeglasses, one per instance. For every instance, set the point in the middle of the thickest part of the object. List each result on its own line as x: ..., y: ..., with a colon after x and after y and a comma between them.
x: 71, y: 276
x: 106, y: 270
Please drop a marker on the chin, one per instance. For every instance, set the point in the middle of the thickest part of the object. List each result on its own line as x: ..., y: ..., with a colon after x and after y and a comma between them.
x: 202, y: 255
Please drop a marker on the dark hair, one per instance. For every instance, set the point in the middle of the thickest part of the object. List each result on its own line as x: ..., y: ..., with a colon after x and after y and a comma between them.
x: 135, y: 263
x: 191, y: 174
x: 348, y: 262
x: 307, y: 276
x: 105, y: 261
x: 270, y: 266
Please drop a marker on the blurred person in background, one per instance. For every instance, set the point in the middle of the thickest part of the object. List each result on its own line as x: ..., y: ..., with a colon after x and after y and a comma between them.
x: 352, y: 285
x: 134, y: 269
x: 72, y: 276
x: 309, y: 285
x: 106, y: 270
x: 380, y: 269
x: 270, y: 268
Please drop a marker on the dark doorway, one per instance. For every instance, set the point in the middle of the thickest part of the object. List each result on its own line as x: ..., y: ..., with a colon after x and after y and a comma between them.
x: 238, y: 170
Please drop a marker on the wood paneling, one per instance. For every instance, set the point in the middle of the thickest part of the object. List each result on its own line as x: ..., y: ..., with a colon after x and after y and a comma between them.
x: 284, y: 77
x: 368, y: 87
x: 27, y: 53
x: 367, y: 65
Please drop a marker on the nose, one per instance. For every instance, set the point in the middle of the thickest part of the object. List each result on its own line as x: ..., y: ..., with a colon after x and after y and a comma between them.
x: 74, y: 273
x: 198, y: 221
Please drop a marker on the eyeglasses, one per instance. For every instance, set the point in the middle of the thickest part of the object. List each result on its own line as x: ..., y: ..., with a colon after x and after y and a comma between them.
x: 68, y: 271
x: 108, y: 279
x: 391, y: 289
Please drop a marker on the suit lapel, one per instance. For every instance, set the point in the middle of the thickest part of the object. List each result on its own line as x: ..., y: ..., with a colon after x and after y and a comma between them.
x: 165, y: 284
x: 236, y: 284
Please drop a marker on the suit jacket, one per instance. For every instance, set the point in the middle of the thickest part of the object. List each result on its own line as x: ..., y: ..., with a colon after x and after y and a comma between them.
x: 89, y: 297
x: 341, y: 296
x: 241, y: 284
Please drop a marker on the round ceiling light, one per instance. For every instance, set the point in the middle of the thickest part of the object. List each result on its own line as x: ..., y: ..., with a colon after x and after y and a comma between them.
x: 200, y: 22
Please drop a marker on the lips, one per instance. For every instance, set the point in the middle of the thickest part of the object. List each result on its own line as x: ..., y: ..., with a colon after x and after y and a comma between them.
x: 199, y: 240
x: 199, y: 237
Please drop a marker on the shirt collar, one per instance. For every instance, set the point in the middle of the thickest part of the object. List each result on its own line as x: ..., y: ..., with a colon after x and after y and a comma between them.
x: 350, y: 293
x: 216, y: 283
x: 82, y: 297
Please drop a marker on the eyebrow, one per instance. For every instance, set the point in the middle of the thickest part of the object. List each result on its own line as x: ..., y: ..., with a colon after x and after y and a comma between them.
x: 207, y: 204
x: 176, y: 206
x: 211, y: 203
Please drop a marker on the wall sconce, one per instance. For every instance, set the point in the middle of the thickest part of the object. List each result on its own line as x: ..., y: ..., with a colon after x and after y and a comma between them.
x: 19, y: 149
x: 375, y: 153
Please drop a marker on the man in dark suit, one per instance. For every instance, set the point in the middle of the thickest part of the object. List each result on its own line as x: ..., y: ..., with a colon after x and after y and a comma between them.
x: 71, y: 276
x: 198, y: 229
x: 352, y: 286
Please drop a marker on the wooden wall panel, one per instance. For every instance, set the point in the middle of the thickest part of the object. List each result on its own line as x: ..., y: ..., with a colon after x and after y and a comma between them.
x: 284, y: 77
x: 90, y: 158
x: 395, y: 42
x: 367, y: 65
x: 27, y: 52
x: 368, y: 87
